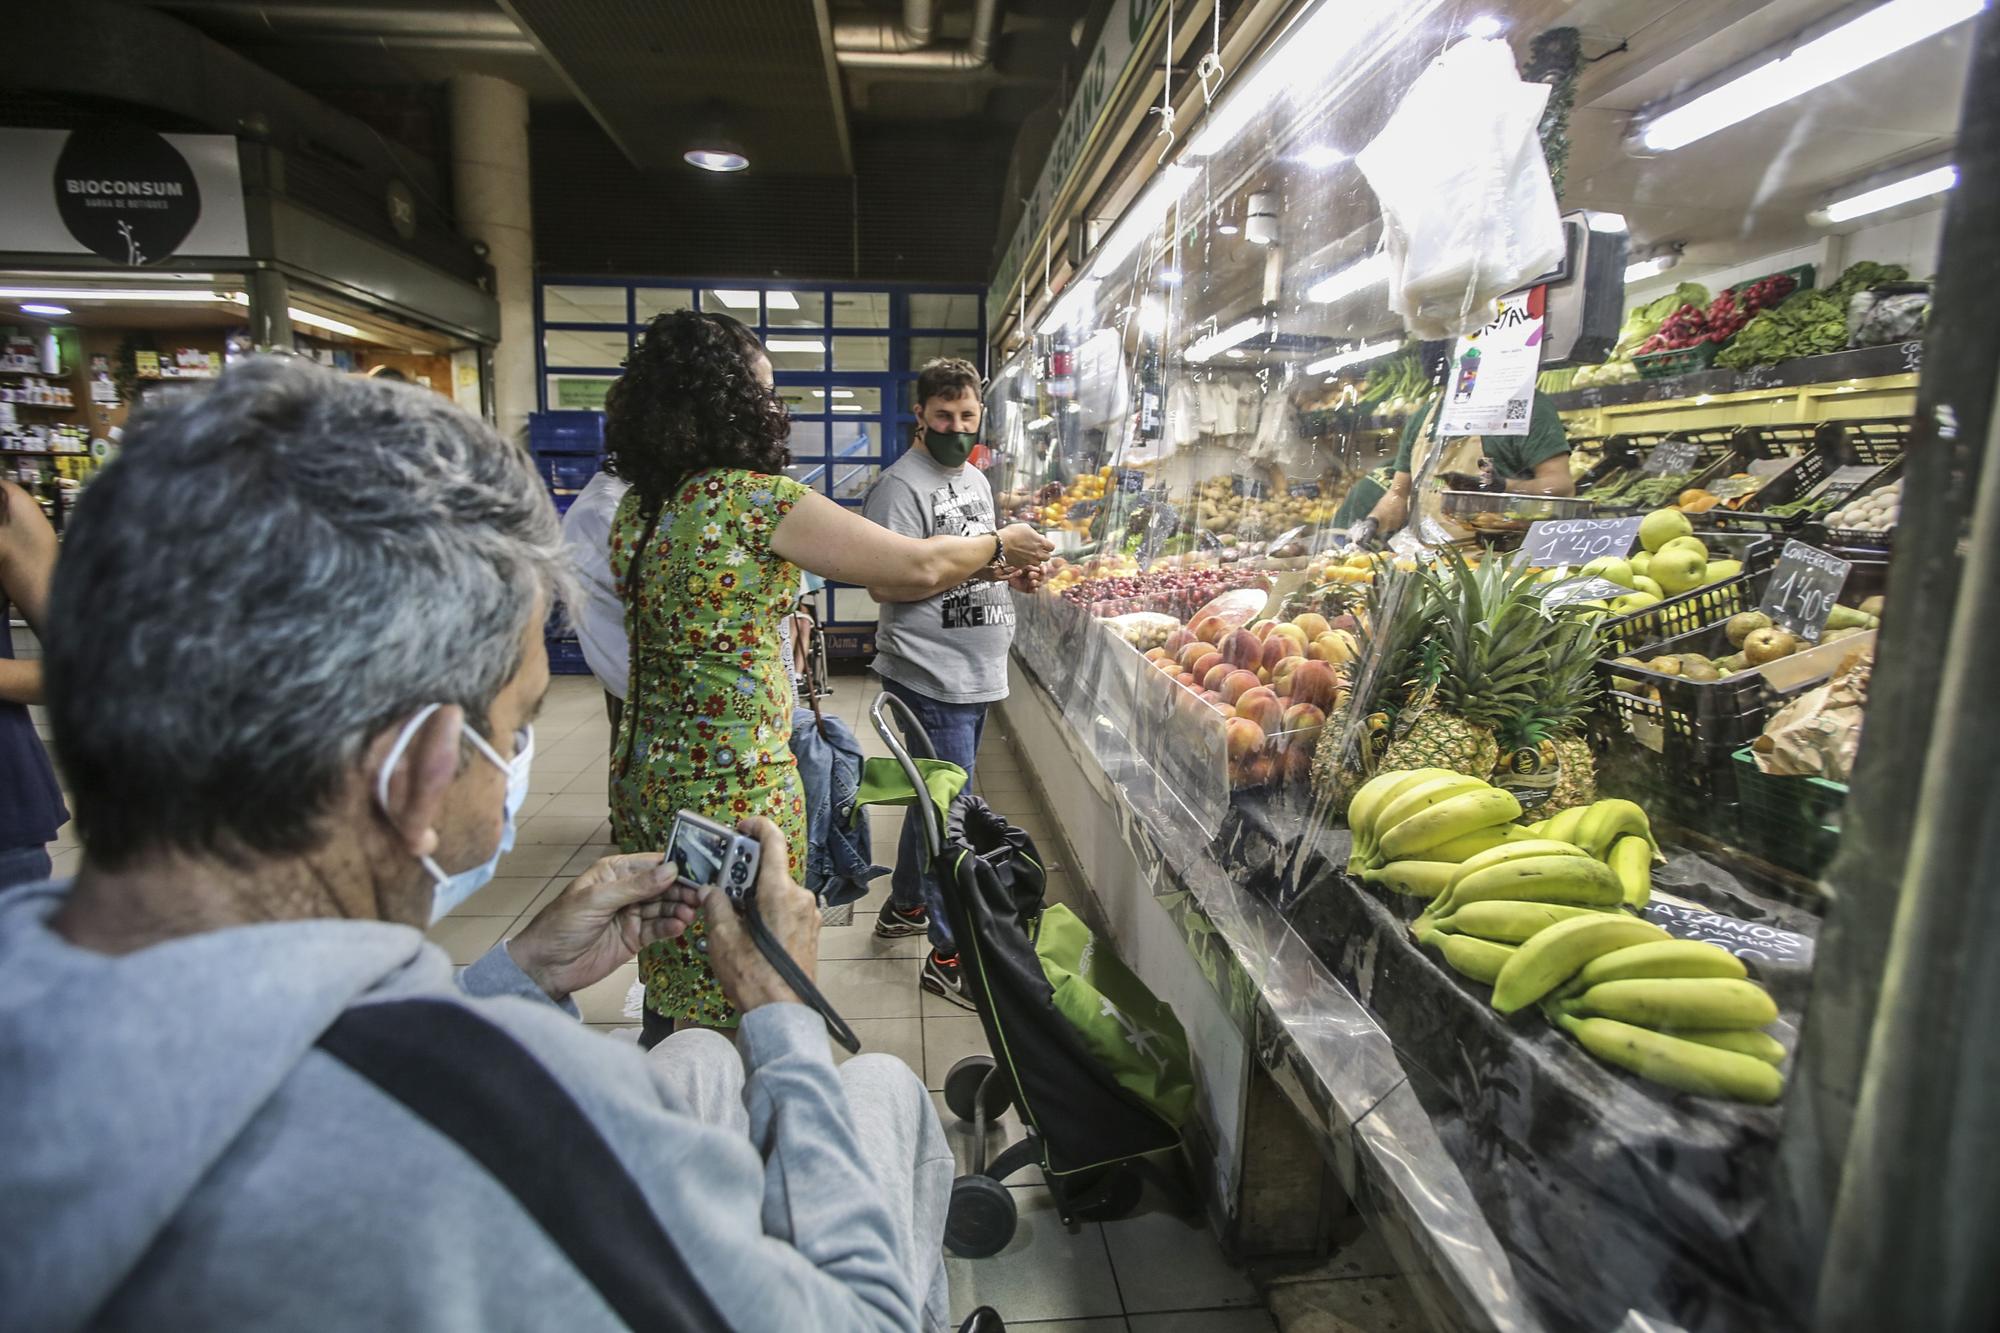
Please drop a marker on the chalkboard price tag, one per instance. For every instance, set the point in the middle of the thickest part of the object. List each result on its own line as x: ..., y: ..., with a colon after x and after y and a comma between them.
x: 1247, y: 486
x: 1729, y: 488
x: 1578, y: 541
x: 1844, y: 482
x: 1130, y: 480
x: 1673, y: 457
x: 1581, y: 590
x: 1803, y: 589
x: 1303, y: 490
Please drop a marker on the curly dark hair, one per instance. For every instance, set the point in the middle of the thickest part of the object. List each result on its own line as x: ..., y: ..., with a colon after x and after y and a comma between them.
x: 687, y: 402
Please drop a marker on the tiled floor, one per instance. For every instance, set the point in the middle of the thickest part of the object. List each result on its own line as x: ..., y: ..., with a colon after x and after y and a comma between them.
x: 1151, y: 1273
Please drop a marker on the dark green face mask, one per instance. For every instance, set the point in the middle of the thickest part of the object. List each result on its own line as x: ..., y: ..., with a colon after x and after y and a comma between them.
x: 950, y: 448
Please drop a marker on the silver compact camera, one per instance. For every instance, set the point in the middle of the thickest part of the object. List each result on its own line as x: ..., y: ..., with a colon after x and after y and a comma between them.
x: 711, y: 855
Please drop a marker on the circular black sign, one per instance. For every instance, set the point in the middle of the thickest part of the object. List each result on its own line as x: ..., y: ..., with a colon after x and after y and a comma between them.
x: 126, y: 193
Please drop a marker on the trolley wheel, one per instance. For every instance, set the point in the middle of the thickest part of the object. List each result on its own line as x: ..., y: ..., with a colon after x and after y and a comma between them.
x: 1107, y: 1195
x: 981, y: 1218
x: 962, y: 1085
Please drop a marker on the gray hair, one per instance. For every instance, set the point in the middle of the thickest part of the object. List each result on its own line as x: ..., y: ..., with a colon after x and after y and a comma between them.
x: 270, y: 573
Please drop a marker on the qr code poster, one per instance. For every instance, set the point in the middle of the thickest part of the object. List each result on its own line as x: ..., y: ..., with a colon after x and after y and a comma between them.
x: 1490, y: 385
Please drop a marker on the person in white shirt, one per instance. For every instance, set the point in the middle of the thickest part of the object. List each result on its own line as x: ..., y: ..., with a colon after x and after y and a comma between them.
x: 600, y: 620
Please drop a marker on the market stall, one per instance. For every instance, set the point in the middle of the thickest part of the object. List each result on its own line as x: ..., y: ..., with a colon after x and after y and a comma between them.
x: 1470, y: 607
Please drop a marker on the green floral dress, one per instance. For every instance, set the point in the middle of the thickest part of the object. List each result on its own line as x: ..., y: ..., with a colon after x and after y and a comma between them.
x: 707, y: 724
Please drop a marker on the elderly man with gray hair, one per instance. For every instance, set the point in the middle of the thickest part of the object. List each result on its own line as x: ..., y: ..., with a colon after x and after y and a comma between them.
x: 294, y: 658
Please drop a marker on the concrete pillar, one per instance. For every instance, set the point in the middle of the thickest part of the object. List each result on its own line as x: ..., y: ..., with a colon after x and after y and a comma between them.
x: 270, y: 310
x: 489, y: 151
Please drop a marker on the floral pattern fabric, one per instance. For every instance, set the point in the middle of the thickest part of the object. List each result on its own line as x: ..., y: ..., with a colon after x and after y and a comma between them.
x: 707, y: 723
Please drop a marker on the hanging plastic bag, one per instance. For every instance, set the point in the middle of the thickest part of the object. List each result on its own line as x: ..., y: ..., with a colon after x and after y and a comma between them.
x: 1468, y: 211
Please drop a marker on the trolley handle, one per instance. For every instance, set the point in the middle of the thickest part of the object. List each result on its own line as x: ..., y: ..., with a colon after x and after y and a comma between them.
x: 919, y: 740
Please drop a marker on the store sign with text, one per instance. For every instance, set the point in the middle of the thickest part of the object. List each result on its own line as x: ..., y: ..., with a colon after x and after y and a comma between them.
x: 1491, y: 384
x: 122, y: 192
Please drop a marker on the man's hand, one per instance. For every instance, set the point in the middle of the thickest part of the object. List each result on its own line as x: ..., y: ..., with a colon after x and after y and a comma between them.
x: 601, y: 921
x: 748, y: 979
x: 1030, y: 579
x: 1022, y: 547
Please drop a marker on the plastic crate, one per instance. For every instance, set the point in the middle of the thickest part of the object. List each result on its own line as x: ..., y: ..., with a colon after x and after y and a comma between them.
x: 1676, y: 361
x: 1693, y: 787
x: 567, y: 472
x: 1790, y: 821
x: 1784, y: 440
x: 1689, y: 713
x: 566, y: 656
x: 566, y: 432
x: 1690, y: 611
x: 1854, y: 539
x: 1707, y: 471
x: 1806, y: 472
x: 1877, y: 440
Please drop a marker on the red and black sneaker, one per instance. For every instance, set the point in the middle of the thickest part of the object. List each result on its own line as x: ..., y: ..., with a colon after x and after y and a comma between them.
x: 894, y: 922
x: 942, y: 977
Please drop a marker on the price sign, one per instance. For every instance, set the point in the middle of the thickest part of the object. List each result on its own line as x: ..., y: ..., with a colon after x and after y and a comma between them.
x: 1130, y: 480
x: 1843, y: 483
x: 1303, y: 490
x: 1247, y: 486
x: 1673, y: 457
x: 1803, y: 589
x: 1728, y: 488
x: 1590, y: 589
x: 1578, y: 541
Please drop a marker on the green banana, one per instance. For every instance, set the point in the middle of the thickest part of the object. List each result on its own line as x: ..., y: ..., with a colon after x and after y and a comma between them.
x: 1554, y: 955
x: 1508, y: 922
x: 1563, y: 826
x: 1472, y: 844
x: 1471, y: 956
x: 1368, y: 802
x: 1419, y: 879
x: 1686, y: 1065
x: 1576, y: 881
x: 1745, y: 1042
x: 1609, y: 820
x: 1423, y: 796
x: 1517, y: 851
x: 1447, y: 820
x: 1662, y: 958
x: 1632, y: 860
x: 1539, y: 829
x: 1671, y: 1003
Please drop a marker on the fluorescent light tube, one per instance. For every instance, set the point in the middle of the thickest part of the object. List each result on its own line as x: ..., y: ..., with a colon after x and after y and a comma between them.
x: 1201, y: 349
x: 1611, y: 224
x: 1904, y: 191
x: 1354, y: 278
x: 1143, y: 218
x: 312, y: 321
x: 795, y: 345
x: 1353, y: 356
x: 1860, y: 42
x: 1040, y: 422
x: 30, y: 308
x: 1649, y: 268
x: 87, y: 295
x: 837, y: 393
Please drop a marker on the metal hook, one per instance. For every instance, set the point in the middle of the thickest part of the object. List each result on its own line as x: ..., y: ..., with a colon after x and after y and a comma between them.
x: 1211, y: 73
x: 1166, y: 115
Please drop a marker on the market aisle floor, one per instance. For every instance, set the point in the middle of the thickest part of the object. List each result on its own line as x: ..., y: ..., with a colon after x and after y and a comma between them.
x: 1150, y: 1273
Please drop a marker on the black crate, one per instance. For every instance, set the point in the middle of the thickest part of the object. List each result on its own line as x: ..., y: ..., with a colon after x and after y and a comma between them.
x: 1689, y: 713
x: 1807, y: 471
x: 1693, y: 787
x: 1789, y: 821
x: 1689, y: 611
x: 1846, y: 540
x: 1785, y: 440
x: 1877, y: 440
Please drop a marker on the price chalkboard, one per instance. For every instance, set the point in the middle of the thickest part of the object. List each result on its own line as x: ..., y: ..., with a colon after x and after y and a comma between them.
x: 1578, y: 541
x: 1582, y: 590
x: 1247, y: 486
x: 1672, y: 457
x: 1303, y: 490
x: 1130, y: 480
x: 1843, y: 483
x: 1803, y: 589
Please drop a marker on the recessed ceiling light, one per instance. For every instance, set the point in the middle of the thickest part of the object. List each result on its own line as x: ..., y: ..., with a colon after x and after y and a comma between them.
x: 1227, y: 228
x: 45, y: 310
x: 715, y: 159
x: 1649, y: 268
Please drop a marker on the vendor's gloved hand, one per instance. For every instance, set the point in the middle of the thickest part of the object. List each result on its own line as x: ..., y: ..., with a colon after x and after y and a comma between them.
x: 1367, y: 535
x: 1461, y: 481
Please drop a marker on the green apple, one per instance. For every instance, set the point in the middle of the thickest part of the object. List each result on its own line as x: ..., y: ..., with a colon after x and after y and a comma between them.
x: 1718, y: 570
x: 1640, y: 561
x: 1640, y: 583
x: 1556, y: 575
x: 1679, y: 570
x: 1611, y: 568
x: 1662, y: 526
x: 1635, y: 601
x: 1694, y: 544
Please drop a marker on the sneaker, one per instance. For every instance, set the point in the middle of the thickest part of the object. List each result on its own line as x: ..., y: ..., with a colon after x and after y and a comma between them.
x: 983, y: 1320
x: 894, y: 922
x: 942, y: 976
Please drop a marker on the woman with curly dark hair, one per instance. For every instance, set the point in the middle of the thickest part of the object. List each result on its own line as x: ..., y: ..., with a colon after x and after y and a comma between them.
x: 706, y: 550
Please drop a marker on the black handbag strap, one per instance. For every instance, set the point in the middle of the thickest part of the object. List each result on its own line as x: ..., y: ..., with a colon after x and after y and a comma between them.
x: 481, y: 1089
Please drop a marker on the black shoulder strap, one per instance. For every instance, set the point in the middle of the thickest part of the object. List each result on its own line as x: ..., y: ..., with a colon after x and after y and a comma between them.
x: 481, y: 1089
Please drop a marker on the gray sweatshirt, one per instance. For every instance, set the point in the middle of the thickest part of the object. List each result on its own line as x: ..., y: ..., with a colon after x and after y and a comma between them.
x: 178, y: 1154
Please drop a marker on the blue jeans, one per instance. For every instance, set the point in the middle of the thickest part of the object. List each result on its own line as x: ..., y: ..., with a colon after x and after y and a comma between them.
x: 24, y: 865
x: 954, y: 730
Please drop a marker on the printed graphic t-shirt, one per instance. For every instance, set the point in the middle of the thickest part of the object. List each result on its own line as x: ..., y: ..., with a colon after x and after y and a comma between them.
x: 952, y: 647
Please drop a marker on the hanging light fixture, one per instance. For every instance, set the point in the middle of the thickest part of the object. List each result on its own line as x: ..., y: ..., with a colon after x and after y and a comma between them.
x: 713, y: 148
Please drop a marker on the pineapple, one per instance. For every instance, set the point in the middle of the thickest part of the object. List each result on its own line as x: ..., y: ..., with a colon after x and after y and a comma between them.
x: 1545, y: 749
x: 1488, y: 651
x: 1392, y: 617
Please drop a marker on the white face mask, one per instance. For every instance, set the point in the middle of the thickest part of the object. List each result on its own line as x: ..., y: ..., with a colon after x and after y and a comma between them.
x: 451, y: 890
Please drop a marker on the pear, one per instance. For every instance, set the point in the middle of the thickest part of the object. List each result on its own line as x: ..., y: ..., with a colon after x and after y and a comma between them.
x: 1742, y: 625
x: 1768, y: 645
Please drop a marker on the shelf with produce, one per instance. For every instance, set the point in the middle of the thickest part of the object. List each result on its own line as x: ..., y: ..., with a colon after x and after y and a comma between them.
x: 1832, y: 370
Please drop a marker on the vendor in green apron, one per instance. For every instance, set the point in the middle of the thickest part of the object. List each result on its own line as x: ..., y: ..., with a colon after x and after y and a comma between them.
x: 1533, y: 464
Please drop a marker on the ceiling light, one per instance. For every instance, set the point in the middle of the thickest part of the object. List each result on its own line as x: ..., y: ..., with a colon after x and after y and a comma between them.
x: 1170, y: 277
x: 1649, y: 268
x: 1908, y: 190
x: 1040, y: 422
x: 1861, y: 41
x: 795, y: 345
x: 312, y: 321
x: 849, y: 407
x: 1485, y: 25
x: 737, y: 299
x: 1314, y: 45
x: 1237, y: 354
x: 1143, y: 218
x: 1201, y: 349
x: 715, y: 159
x: 1353, y: 356
x: 1321, y: 156
x: 91, y: 295
x: 1153, y: 318
x: 32, y: 309
x: 837, y: 393
x: 1227, y: 228
x: 1354, y: 278
x: 1612, y: 224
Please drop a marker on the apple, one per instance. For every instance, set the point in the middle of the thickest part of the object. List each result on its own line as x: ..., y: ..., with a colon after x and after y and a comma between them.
x: 1281, y: 674
x: 1178, y: 640
x: 1242, y: 738
x: 1262, y: 629
x: 1243, y: 648
x: 1212, y: 678
x: 1315, y: 683
x: 1238, y: 683
x: 1302, y: 723
x: 1611, y: 568
x: 1261, y: 707
x: 1718, y: 570
x: 1678, y: 570
x: 1640, y: 583
x: 1206, y: 663
x: 1634, y: 601
x: 1662, y: 526
x: 1345, y: 623
x: 1694, y: 544
x: 1311, y: 624
x: 1640, y: 562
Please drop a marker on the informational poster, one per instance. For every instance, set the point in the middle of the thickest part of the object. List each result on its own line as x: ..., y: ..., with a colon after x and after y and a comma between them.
x: 1490, y: 384
x: 123, y: 192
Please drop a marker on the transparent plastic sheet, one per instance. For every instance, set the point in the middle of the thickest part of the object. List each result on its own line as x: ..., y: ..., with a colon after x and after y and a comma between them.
x: 1528, y: 1184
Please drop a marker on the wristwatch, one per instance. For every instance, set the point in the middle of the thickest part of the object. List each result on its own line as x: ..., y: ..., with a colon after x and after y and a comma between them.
x: 999, y: 552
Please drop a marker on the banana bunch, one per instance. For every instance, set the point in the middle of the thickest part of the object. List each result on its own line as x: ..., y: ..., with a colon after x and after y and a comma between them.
x: 1616, y: 832
x: 1430, y: 815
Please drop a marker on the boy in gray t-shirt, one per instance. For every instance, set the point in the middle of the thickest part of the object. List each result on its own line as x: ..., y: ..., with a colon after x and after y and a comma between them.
x: 946, y: 656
